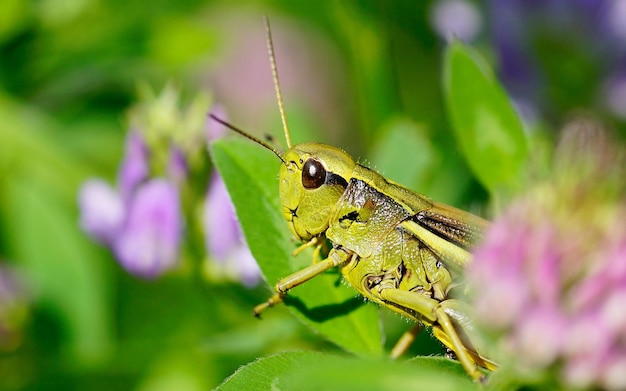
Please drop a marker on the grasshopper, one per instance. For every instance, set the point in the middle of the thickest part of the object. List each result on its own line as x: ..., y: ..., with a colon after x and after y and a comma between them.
x: 394, y: 246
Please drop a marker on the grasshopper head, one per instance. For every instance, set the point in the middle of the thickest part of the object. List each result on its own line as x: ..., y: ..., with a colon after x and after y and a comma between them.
x: 312, y: 179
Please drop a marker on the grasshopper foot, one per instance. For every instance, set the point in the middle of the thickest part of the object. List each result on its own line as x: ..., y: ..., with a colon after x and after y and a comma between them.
x: 272, y: 301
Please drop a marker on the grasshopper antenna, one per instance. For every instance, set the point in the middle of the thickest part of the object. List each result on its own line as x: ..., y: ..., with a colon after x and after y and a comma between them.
x: 249, y: 136
x: 279, y: 94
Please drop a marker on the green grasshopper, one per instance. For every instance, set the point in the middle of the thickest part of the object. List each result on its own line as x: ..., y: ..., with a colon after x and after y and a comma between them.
x: 397, y: 248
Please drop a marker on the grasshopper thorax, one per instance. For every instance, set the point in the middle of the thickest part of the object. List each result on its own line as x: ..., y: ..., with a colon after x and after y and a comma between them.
x: 312, y: 179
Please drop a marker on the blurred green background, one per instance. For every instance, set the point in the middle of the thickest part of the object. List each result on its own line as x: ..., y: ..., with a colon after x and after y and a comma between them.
x: 362, y: 75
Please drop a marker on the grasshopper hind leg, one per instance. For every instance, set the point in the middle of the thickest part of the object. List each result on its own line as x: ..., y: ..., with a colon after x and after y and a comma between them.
x: 433, y: 312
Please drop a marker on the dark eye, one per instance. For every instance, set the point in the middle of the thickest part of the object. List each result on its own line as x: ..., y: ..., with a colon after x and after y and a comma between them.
x: 313, y: 174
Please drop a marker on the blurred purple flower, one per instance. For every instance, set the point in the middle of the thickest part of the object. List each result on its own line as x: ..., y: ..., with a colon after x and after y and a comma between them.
x: 617, y: 19
x: 223, y: 232
x: 215, y: 130
x: 615, y: 93
x: 142, y: 221
x: 564, y: 304
x: 223, y: 236
x: 178, y: 167
x: 102, y: 210
x: 135, y: 168
x: 456, y: 19
x: 149, y: 242
x: 554, y: 53
x: 549, y: 279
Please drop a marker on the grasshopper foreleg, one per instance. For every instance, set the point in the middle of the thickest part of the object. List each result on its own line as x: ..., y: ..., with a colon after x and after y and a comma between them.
x: 335, y: 258
x: 276, y: 298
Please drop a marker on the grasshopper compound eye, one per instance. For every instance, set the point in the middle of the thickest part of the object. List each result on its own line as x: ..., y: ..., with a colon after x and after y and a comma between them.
x: 313, y: 174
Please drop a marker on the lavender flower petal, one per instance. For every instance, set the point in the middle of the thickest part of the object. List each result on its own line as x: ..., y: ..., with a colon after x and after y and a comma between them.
x: 247, y: 268
x: 539, y: 338
x: 178, y: 167
x: 581, y: 372
x: 557, y: 258
x: 223, y: 236
x: 221, y: 226
x: 101, y: 210
x: 587, y: 335
x: 214, y: 129
x: 614, y: 372
x: 149, y: 242
x: 135, y: 168
x: 456, y: 19
x: 498, y: 310
x: 613, y: 310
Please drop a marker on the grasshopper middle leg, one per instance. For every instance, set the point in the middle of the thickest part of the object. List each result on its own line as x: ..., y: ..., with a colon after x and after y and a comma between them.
x: 405, y: 341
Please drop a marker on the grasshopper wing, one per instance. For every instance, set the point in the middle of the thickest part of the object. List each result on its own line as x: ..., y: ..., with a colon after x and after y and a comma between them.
x: 449, y: 232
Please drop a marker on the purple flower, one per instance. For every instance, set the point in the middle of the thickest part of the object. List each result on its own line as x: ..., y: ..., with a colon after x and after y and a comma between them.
x: 616, y: 15
x: 213, y: 129
x: 135, y: 168
x: 223, y: 236
x: 102, y: 210
x: 549, y: 279
x: 142, y: 221
x: 178, y: 167
x: 541, y: 46
x: 456, y: 19
x: 223, y: 232
x: 539, y: 338
x: 563, y: 304
x: 615, y: 93
x: 149, y: 242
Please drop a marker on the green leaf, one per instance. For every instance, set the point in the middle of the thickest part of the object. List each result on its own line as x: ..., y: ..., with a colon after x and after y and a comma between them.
x: 65, y: 271
x: 486, y: 124
x: 324, y: 303
x: 443, y: 180
x: 402, y: 137
x: 38, y: 213
x: 317, y: 371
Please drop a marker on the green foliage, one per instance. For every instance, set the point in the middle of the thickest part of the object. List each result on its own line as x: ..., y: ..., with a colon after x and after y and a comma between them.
x: 69, y: 73
x: 317, y: 371
x: 485, y: 123
x: 402, y: 137
x: 39, y: 221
